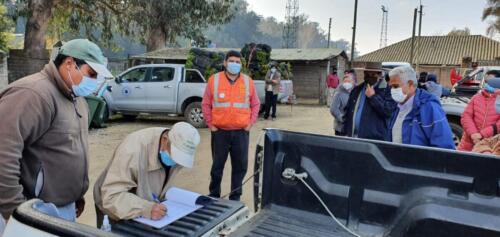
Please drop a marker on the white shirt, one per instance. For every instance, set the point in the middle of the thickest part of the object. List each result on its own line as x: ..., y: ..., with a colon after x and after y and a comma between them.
x: 397, y: 129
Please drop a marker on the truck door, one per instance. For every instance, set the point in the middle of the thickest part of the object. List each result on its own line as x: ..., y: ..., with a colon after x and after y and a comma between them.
x: 162, y: 89
x: 129, y: 92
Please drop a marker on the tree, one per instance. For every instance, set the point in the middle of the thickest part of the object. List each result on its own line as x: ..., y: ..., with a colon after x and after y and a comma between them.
x: 150, y: 21
x: 5, y: 28
x: 492, y: 10
x: 459, y: 32
x: 163, y: 21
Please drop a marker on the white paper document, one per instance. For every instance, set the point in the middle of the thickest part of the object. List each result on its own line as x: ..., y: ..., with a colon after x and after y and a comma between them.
x: 179, y: 203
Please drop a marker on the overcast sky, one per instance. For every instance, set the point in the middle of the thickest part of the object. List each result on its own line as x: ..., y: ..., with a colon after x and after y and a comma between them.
x: 440, y: 16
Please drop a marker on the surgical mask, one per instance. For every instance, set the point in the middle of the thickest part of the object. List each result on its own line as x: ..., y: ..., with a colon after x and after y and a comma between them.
x: 86, y: 87
x: 347, y: 85
x: 398, y: 95
x: 166, y: 159
x: 489, y: 88
x: 273, y: 70
x: 234, y: 68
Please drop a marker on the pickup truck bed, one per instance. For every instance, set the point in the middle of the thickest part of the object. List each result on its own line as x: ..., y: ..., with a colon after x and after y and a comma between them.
x: 280, y: 221
x: 375, y: 188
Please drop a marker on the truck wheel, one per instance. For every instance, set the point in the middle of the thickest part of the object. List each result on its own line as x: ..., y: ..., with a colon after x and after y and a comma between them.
x: 194, y: 115
x: 105, y: 116
x: 129, y: 117
x: 457, y: 133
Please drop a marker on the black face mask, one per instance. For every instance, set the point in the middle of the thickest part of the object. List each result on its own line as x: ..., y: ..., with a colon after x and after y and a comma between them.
x: 371, y: 80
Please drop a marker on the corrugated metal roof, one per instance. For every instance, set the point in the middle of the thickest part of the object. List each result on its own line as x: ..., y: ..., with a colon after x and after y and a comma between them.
x: 276, y: 54
x: 438, y: 50
x: 306, y: 54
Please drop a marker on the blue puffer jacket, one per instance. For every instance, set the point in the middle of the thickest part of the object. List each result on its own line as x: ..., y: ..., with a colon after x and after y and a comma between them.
x: 426, y: 124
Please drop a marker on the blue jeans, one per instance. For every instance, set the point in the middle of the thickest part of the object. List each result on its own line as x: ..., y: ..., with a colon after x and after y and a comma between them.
x: 67, y: 212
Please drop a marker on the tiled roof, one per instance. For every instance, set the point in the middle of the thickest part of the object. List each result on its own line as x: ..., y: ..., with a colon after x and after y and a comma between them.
x: 437, y: 50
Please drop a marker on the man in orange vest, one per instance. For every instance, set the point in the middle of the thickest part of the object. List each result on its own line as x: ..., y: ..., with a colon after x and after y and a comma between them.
x: 230, y: 108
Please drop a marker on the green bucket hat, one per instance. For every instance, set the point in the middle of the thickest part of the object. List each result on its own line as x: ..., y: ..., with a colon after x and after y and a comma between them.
x: 89, y: 52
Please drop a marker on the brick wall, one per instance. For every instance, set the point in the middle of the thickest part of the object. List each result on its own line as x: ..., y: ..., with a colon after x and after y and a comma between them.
x: 21, y: 66
x: 3, y: 70
x: 309, y: 78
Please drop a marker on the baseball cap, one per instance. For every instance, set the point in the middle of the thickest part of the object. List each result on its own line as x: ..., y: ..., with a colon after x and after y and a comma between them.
x: 184, y: 139
x: 89, y: 52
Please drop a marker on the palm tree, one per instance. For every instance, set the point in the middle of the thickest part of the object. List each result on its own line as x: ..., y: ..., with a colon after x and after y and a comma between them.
x: 492, y: 10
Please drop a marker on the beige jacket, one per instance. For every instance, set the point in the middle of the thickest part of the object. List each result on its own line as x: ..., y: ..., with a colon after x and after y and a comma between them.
x: 43, y: 136
x: 124, y: 190
x: 269, y: 81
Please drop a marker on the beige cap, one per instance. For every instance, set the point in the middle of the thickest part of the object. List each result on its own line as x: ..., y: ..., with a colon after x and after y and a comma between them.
x: 184, y: 139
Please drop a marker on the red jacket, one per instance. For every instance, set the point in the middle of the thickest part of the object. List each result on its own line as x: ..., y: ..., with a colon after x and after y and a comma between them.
x: 479, y: 116
x: 332, y: 81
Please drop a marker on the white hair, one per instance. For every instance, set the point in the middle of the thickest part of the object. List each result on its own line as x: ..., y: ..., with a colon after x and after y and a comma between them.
x: 405, y: 73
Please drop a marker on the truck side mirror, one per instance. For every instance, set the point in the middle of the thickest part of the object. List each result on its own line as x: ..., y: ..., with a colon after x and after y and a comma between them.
x: 118, y: 80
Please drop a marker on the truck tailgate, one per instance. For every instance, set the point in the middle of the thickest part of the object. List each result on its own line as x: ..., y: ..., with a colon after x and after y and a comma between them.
x: 283, y: 221
x: 197, y: 223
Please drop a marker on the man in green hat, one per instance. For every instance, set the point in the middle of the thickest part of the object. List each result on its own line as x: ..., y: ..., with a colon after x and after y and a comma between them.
x: 44, y: 130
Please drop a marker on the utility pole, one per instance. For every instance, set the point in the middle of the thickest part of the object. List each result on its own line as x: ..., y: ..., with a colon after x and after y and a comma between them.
x: 413, y: 36
x: 421, y: 12
x: 383, y: 31
x: 353, y: 42
x: 329, y: 30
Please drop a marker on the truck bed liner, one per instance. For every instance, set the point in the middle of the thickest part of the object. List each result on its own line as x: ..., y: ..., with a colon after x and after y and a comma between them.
x: 194, y: 224
x: 283, y: 221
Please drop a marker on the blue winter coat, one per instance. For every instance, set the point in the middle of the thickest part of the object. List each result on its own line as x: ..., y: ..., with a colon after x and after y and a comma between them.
x: 376, y: 113
x: 426, y: 124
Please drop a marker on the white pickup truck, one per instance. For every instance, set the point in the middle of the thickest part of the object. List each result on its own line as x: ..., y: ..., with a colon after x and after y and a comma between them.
x: 167, y: 89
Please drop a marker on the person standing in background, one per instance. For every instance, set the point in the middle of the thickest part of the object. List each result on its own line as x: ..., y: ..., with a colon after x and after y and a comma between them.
x: 337, y: 109
x: 332, y: 82
x: 273, y: 80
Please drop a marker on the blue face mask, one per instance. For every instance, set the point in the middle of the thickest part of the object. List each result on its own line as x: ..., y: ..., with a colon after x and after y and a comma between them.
x: 86, y: 87
x: 489, y: 88
x: 166, y: 160
x: 234, y: 68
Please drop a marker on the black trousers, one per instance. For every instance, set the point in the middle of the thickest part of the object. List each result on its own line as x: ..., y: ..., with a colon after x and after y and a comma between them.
x: 271, y: 100
x: 235, y: 143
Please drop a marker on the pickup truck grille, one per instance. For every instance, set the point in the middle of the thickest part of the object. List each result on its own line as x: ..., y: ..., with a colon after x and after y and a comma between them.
x: 194, y: 224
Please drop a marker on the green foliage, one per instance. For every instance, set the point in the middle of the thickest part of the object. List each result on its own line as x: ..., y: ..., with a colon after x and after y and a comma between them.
x: 459, y: 32
x: 189, y: 60
x: 492, y: 11
x: 285, y: 70
x: 6, y: 27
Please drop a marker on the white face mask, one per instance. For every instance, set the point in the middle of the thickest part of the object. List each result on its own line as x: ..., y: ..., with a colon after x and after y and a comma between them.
x: 347, y: 85
x: 273, y: 70
x: 398, y: 95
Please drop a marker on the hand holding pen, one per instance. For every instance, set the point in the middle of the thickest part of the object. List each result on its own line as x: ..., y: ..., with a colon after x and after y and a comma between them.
x: 158, y: 210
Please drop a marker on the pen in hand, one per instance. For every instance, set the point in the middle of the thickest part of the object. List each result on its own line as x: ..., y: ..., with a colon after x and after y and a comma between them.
x: 160, y: 205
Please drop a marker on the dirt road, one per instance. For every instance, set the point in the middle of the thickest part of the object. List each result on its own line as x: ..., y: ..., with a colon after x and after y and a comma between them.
x: 312, y: 119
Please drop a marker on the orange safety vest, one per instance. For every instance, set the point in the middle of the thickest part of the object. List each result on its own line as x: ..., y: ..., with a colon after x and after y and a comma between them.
x: 231, y: 103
